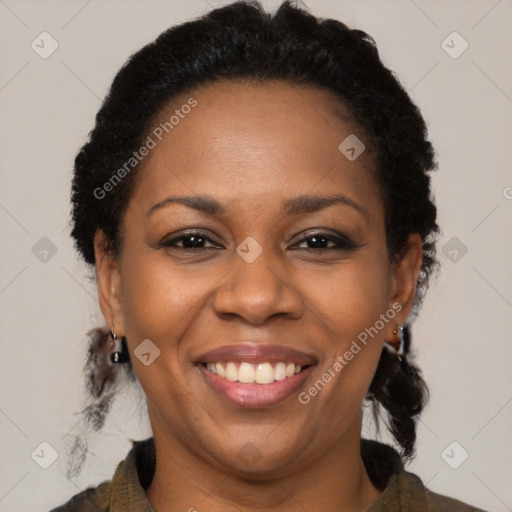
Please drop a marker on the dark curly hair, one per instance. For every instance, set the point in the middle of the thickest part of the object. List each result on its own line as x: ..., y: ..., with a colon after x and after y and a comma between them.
x: 241, y: 41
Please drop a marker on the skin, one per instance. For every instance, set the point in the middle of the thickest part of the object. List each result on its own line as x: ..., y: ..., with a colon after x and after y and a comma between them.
x: 237, y: 147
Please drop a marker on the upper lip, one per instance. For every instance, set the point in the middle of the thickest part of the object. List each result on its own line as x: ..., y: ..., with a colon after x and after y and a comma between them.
x: 256, y: 353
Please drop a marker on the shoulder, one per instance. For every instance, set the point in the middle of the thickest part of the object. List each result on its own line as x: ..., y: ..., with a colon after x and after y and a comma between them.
x: 415, y: 496
x: 126, y: 489
x: 93, y: 499
x: 402, y: 490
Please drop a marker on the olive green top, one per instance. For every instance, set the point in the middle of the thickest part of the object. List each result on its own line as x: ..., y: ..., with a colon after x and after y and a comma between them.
x: 402, y: 491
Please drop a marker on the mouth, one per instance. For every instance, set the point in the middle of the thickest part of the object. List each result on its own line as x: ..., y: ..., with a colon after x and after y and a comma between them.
x: 255, y: 376
x: 248, y: 373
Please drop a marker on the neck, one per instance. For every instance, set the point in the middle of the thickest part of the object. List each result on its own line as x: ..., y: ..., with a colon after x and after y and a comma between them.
x: 336, y: 481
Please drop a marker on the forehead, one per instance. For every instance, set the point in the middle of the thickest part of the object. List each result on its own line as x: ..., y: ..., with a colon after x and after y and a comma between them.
x: 247, y: 142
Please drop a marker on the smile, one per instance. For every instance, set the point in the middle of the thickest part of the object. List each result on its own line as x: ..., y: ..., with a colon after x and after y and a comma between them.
x: 262, y: 373
x: 255, y: 375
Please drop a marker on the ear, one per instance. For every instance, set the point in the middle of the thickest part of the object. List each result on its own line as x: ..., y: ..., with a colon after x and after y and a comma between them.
x: 404, y: 276
x: 109, y: 283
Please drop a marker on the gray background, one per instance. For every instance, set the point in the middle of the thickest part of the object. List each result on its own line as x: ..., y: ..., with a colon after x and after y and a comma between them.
x: 48, y: 302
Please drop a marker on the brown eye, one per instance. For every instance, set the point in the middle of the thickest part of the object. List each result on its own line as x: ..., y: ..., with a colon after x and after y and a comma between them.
x: 319, y: 241
x: 189, y: 241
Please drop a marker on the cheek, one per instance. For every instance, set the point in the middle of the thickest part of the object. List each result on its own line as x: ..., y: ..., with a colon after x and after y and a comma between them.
x: 158, y: 296
x: 349, y: 297
x: 348, y: 302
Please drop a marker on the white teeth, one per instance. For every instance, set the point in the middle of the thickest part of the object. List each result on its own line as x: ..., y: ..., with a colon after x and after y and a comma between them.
x: 247, y: 373
x: 264, y: 374
x: 280, y: 371
x: 231, y: 372
x: 221, y: 372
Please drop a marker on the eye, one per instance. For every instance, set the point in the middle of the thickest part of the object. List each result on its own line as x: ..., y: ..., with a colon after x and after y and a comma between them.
x: 191, y: 241
x: 318, y: 241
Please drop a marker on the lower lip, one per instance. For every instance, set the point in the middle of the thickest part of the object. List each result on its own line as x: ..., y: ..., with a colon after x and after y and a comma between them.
x: 255, y: 395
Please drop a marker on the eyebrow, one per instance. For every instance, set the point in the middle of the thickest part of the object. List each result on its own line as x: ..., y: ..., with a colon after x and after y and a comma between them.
x: 294, y: 206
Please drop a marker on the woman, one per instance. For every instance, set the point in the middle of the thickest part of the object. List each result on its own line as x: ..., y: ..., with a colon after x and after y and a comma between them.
x: 255, y: 201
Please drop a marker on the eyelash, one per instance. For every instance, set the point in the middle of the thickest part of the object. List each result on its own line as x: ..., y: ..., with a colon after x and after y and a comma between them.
x: 342, y: 243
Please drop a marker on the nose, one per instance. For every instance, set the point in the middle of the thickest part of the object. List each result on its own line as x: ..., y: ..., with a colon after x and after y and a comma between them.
x: 256, y: 291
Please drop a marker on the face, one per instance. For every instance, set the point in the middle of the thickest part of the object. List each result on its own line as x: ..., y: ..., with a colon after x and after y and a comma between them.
x: 255, y: 279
